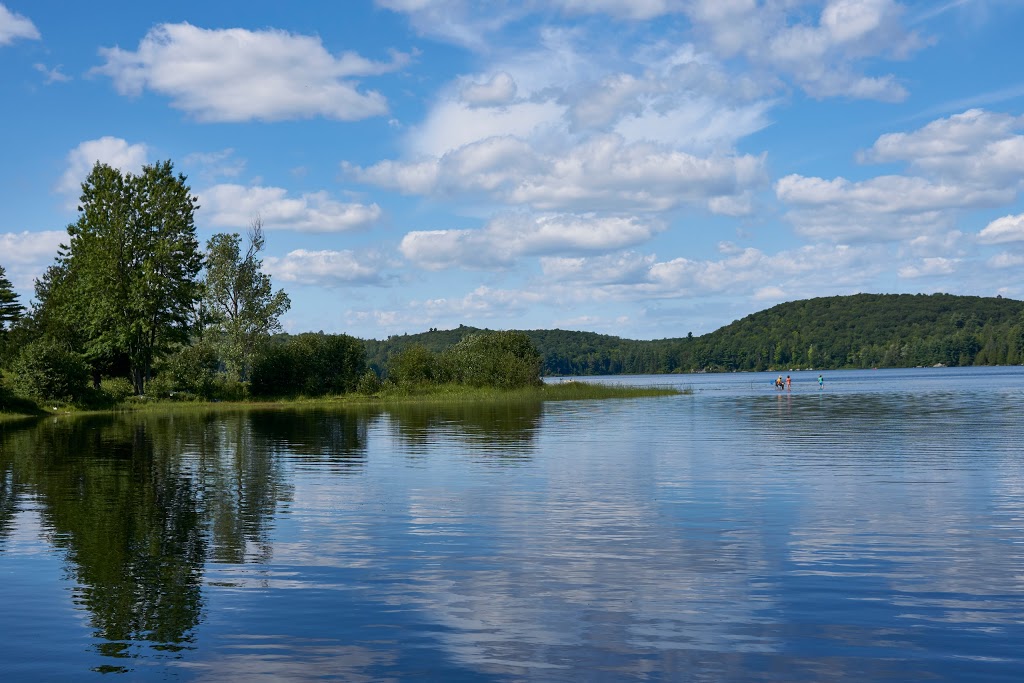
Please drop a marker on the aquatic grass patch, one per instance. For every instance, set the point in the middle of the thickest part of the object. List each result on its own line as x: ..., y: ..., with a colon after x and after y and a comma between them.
x: 389, y: 394
x: 565, y: 391
x: 424, y: 394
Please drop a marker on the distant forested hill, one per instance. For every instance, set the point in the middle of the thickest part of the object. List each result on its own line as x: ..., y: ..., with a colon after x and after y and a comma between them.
x: 869, y: 330
x: 859, y: 331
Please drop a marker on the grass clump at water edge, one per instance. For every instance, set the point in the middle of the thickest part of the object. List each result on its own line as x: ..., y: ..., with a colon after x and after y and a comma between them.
x: 562, y: 391
x: 387, y: 394
x: 435, y: 394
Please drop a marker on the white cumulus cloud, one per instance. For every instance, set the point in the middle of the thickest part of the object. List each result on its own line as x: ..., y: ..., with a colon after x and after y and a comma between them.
x: 510, y: 236
x: 27, y: 254
x: 499, y: 90
x: 14, y: 26
x: 604, y: 173
x: 115, y: 152
x: 966, y: 161
x: 1006, y: 260
x: 241, y: 75
x: 976, y: 146
x: 231, y: 205
x: 934, y: 265
x: 1002, y: 230
x: 821, y: 54
x: 325, y: 268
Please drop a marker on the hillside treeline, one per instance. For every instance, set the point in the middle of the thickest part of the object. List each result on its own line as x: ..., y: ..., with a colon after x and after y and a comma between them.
x: 859, y: 331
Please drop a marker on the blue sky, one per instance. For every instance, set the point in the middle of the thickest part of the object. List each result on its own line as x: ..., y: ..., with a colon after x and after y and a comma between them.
x: 643, y: 168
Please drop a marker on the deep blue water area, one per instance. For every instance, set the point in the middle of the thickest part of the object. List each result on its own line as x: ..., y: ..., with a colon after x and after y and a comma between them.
x: 868, y: 530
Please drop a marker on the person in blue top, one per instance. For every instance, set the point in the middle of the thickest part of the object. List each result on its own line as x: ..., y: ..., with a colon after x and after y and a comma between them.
x: 821, y: 382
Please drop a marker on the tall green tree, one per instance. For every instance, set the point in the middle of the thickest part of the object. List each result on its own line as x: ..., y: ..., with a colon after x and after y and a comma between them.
x: 10, y: 312
x: 130, y: 266
x: 240, y: 298
x: 10, y: 309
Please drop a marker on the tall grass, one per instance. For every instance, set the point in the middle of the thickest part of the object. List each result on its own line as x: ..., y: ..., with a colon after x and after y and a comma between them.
x: 457, y: 393
x: 389, y: 394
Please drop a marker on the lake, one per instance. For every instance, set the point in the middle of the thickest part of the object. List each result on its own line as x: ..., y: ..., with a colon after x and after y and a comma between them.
x: 869, y: 530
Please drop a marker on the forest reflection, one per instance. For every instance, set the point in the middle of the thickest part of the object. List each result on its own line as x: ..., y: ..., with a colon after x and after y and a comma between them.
x: 499, y: 432
x: 140, y: 504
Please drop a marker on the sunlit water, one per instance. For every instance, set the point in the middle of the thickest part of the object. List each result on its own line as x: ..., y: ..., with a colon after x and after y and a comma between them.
x: 869, y: 530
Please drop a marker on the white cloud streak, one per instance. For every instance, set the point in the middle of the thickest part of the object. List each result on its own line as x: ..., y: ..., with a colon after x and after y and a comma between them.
x: 50, y: 76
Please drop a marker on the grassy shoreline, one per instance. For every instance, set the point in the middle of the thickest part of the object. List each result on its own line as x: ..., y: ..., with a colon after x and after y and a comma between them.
x: 427, y: 395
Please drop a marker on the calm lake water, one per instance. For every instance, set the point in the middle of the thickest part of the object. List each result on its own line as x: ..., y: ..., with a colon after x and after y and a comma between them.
x: 870, y: 530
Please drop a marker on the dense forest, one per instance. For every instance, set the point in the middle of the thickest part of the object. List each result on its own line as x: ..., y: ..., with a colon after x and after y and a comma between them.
x: 859, y: 331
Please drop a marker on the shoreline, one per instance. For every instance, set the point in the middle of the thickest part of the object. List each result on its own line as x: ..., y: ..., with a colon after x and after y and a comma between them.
x: 433, y: 395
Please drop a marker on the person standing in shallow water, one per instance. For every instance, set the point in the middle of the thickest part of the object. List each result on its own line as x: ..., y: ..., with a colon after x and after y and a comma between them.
x: 789, y: 383
x: 821, y: 382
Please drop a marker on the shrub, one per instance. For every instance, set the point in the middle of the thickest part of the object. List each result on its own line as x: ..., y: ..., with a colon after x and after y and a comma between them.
x: 117, y: 389
x: 369, y: 383
x: 47, y: 370
x: 415, y: 365
x: 193, y: 369
x: 312, y: 364
x: 495, y: 359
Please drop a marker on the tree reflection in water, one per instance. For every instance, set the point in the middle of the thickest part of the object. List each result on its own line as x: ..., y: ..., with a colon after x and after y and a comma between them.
x: 140, y: 504
x: 502, y: 433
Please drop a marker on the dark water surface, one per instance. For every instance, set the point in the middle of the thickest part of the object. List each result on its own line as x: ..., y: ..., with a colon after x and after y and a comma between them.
x: 872, y: 530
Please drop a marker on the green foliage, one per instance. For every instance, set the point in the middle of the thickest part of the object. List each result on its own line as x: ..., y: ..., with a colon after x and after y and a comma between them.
x: 10, y: 309
x: 415, y: 365
x: 48, y: 371
x: 19, y: 405
x: 311, y: 364
x: 239, y: 297
x: 126, y: 281
x: 116, y: 389
x: 865, y: 330
x: 10, y: 313
x: 369, y: 383
x: 495, y: 359
x: 192, y: 369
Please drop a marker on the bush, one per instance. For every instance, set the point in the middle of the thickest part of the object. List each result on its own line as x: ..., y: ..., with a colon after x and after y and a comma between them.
x: 311, y: 364
x: 415, y: 365
x: 9, y: 403
x: 49, y: 371
x: 369, y: 383
x: 193, y: 370
x: 117, y: 389
x: 503, y: 360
